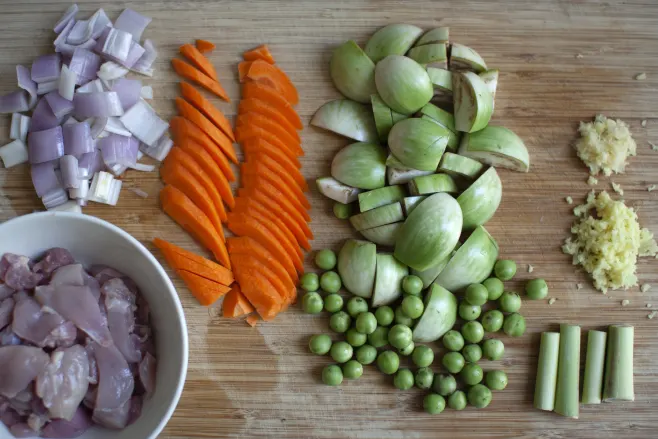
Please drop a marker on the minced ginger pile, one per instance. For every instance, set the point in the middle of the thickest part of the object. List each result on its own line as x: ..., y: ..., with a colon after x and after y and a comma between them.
x: 605, y: 144
x: 607, y: 245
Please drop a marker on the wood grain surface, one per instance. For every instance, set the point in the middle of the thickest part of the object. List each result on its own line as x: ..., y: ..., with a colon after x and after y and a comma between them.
x: 261, y: 382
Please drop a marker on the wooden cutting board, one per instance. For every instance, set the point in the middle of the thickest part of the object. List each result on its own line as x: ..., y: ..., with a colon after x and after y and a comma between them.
x: 561, y: 62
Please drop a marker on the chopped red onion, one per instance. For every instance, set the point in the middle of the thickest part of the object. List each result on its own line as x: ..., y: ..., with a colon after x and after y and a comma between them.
x: 77, y: 139
x: 128, y: 90
x: 66, y: 18
x: 98, y: 126
x: 46, y: 87
x: 94, y: 86
x: 81, y: 31
x: 120, y: 150
x: 46, y: 68
x: 68, y: 49
x: 142, y: 120
x: 90, y: 163
x: 111, y: 70
x: 143, y: 167
x: 117, y: 169
x: 160, y: 150
x: 115, y: 126
x: 44, y: 146
x: 14, y: 102
x: 70, y: 206
x: 132, y: 22
x: 102, y: 23
x: 20, y: 124
x: 59, y: 106
x: 13, y: 153
x: 134, y: 54
x: 43, y: 117
x: 117, y: 45
x: 145, y: 63
x: 55, y: 198
x: 67, y: 81
x: 61, y: 38
x: 102, y: 104
x: 26, y: 83
x: 44, y: 178
x: 82, y: 190
x: 70, y: 121
x: 68, y: 164
x: 146, y: 92
x: 85, y: 63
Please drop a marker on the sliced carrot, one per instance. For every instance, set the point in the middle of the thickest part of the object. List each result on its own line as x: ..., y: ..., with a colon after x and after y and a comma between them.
x: 259, y: 292
x: 220, y: 274
x: 260, y: 52
x: 246, y: 262
x: 235, y: 304
x: 188, y: 71
x: 244, y: 133
x: 207, y: 108
x: 204, y: 46
x: 273, y: 131
x: 262, y: 71
x: 256, y: 90
x: 257, y: 145
x: 253, y: 248
x: 182, y: 128
x: 198, y: 59
x: 196, y: 117
x: 255, y: 172
x: 243, y: 69
x: 293, y: 178
x: 252, y: 320
x: 270, y: 125
x: 206, y: 291
x: 275, y: 202
x: 261, y: 107
x: 182, y: 210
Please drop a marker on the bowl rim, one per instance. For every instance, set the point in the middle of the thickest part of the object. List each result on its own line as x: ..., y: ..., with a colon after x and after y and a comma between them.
x: 171, y: 290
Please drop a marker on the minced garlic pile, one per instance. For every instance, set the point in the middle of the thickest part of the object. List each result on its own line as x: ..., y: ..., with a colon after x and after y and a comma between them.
x: 607, y: 245
x: 605, y: 144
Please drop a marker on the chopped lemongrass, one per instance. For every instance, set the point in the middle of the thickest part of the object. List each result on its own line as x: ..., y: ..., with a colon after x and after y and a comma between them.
x: 14, y: 153
x: 20, y: 125
x: 144, y: 123
x: 568, y: 372
x: 579, y: 286
x: 645, y: 287
x: 643, y: 123
x: 651, y: 187
x: 592, y: 181
x: 530, y: 268
x: 594, y: 364
x: 552, y: 300
x: 625, y: 302
x: 640, y: 76
x: 652, y: 314
x: 545, y: 384
x: 649, y: 305
x: 617, y: 188
x: 618, y: 381
x: 569, y: 200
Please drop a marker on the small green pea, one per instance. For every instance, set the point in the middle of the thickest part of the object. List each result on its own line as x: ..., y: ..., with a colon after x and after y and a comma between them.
x: 422, y: 356
x: 457, y: 401
x: 412, y: 285
x: 404, y: 379
x: 496, y: 380
x: 493, y: 349
x: 473, y: 332
x: 325, y: 259
x: 355, y: 338
x: 514, y: 325
x: 401, y: 318
x: 400, y: 336
x: 332, y: 375
x: 341, y: 351
x: 424, y: 378
x: 333, y: 303
x: 366, y: 323
x: 477, y: 294
x: 472, y: 353
x: 453, y: 340
x: 505, y: 269
x: 356, y: 305
x: 312, y: 303
x: 309, y: 282
x: 495, y: 287
x: 384, y: 315
x: 379, y: 338
x: 536, y: 289
x: 412, y: 306
x: 342, y: 211
x: 471, y: 374
x: 479, y: 396
x: 509, y: 302
x: 444, y: 384
x: 340, y: 322
x: 319, y: 344
x: 330, y: 282
x: 492, y: 320
x: 352, y: 370
x: 405, y: 352
x: 388, y: 362
x: 434, y: 404
x: 366, y: 354
x: 453, y: 362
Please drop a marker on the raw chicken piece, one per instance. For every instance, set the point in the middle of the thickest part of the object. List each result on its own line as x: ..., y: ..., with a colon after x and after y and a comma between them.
x: 6, y: 291
x: 8, y: 338
x: 93, y: 367
x: 22, y: 430
x: 6, y: 311
x: 39, y: 416
x: 75, y: 274
x: 115, y: 381
x: 135, y: 409
x: 103, y: 273
x: 19, y: 366
x: 8, y: 415
x: 22, y: 402
x: 53, y: 258
x: 15, y: 271
x: 147, y: 370
x: 37, y: 325
x: 60, y: 428
x: 117, y: 288
x: 113, y: 418
x: 121, y: 321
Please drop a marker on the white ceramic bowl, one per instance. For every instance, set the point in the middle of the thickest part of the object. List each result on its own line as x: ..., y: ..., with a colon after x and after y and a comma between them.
x: 94, y: 241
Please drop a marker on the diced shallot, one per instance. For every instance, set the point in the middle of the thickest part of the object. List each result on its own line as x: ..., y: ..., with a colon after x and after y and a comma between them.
x: 114, y: 126
x: 14, y: 102
x: 44, y: 178
x: 102, y: 22
x: 145, y: 124
x: 120, y: 150
x: 46, y: 87
x: 134, y: 54
x: 66, y: 18
x: 70, y: 206
x: 94, y: 86
x: 14, y: 153
x: 58, y: 105
x: 145, y: 64
x: 132, y: 22
x: 82, y: 31
x: 44, y: 146
x: 20, y: 124
x: 77, y: 139
x: 129, y: 91
x: 43, y: 117
x: 102, y: 104
x: 68, y: 165
x: 111, y: 70
x: 55, y: 198
x: 98, y: 126
x: 67, y: 81
x: 85, y: 64
x: 160, y: 150
x: 25, y: 82
x: 46, y: 68
x: 117, y: 45
x: 89, y: 164
x: 117, y: 169
x: 82, y: 191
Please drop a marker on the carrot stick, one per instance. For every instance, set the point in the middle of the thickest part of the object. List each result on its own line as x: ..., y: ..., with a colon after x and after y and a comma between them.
x: 243, y: 69
x: 248, y: 132
x: 221, y: 274
x: 182, y: 210
x: 260, y: 52
x: 178, y: 263
x: 252, y: 320
x: 261, y: 107
x: 207, y: 108
x: 249, y: 246
x: 293, y: 178
x: 182, y: 129
x: 204, y: 46
x: 235, y: 304
x: 267, y: 199
x: 196, y: 117
x: 198, y: 59
x: 246, y: 262
x: 270, y: 125
x: 259, y: 292
x: 189, y: 72
x: 256, y: 90
x: 206, y: 291
x: 261, y: 146
x: 255, y: 173
x: 261, y: 71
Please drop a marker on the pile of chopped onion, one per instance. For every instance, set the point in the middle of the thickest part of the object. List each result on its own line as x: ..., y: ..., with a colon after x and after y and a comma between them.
x: 89, y: 123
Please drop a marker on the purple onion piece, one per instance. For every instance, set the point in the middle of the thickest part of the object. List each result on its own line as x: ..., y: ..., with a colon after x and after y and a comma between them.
x: 90, y: 163
x: 46, y: 87
x: 119, y: 150
x: 103, y: 104
x: 68, y: 164
x: 43, y: 117
x: 145, y: 64
x: 55, y: 198
x: 46, y: 68
x: 134, y: 54
x: 77, y: 139
x: 102, y: 39
x: 44, y: 178
x: 98, y: 126
x: 102, y: 22
x: 58, y: 105
x: 61, y: 38
x: 26, y: 83
x: 67, y: 81
x: 117, y: 45
x: 132, y: 22
x: 66, y: 18
x: 95, y: 86
x: 85, y: 63
x: 128, y: 90
x: 81, y: 31
x: 160, y: 150
x: 14, y: 102
x: 44, y: 146
x: 68, y: 49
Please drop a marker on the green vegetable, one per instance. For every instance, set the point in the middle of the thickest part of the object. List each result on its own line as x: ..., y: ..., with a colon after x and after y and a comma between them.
x: 393, y: 162
x: 401, y: 318
x: 348, y: 118
x: 618, y: 381
x: 356, y: 306
x: 384, y: 315
x: 366, y: 354
x: 464, y: 58
x: 424, y: 378
x: 357, y: 262
x: 383, y: 117
x: 429, y: 233
x: 403, y: 84
x: 380, y: 197
x: 468, y: 311
x: 379, y: 216
x: 352, y: 72
x: 431, y: 184
x: 433, y: 54
x: 436, y: 35
x: 418, y: 143
x: 492, y: 321
x: 496, y: 380
x: 342, y: 211
x: 453, y: 340
x: 479, y: 396
x: 453, y: 362
x: 403, y: 175
x: 340, y: 322
x: 410, y: 203
x: 404, y: 379
x: 441, y: 80
x: 471, y: 374
x: 355, y: 338
x: 399, y: 336
x: 309, y: 282
x: 536, y: 289
x: 388, y: 362
x: 546, y: 382
x: 412, y: 285
x: 332, y: 375
x: 352, y: 370
x: 568, y: 372
x: 330, y: 282
x: 514, y: 325
x: 394, y: 39
x: 493, y: 349
x: 319, y: 344
x: 473, y: 102
x: 341, y: 351
x: 383, y: 235
x: 509, y: 302
x: 490, y: 78
x: 379, y: 338
x: 439, y: 316
x: 495, y: 287
x: 312, y: 303
x: 422, y: 356
x: 406, y: 351
x: 473, y: 332
x: 496, y: 146
x: 481, y: 200
x: 360, y: 165
x: 457, y: 401
x: 438, y: 114
x: 388, y: 280
x: 325, y: 259
x: 459, y: 165
x: 453, y: 138
x: 471, y: 263
x: 505, y: 269
x: 333, y: 303
x: 412, y: 306
x: 444, y: 384
x: 337, y: 191
x: 429, y: 276
x: 476, y: 294
x: 366, y: 323
x: 472, y: 353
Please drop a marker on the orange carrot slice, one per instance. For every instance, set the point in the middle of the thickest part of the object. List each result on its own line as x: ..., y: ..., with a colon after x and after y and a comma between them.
x: 249, y: 246
x: 260, y: 52
x: 256, y: 90
x: 207, y: 108
x: 206, y: 266
x: 261, y: 146
x: 189, y: 72
x: 196, y: 117
x: 243, y: 69
x: 262, y: 71
x: 248, y: 132
x: 293, y: 178
x: 204, y: 46
x: 235, y: 304
x: 255, y: 173
x: 182, y: 210
x: 277, y: 196
x: 206, y: 291
x: 252, y: 320
x: 267, y: 199
x: 182, y: 129
x: 198, y: 59
x: 270, y: 125
x: 259, y: 292
x: 248, y: 263
x: 261, y: 107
